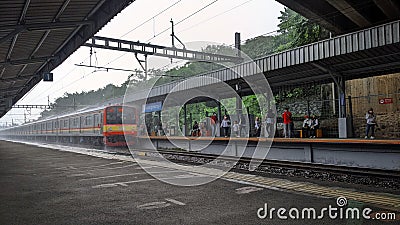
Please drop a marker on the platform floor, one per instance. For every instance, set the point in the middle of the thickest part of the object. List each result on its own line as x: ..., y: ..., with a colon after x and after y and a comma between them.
x: 46, y: 186
x: 285, y: 140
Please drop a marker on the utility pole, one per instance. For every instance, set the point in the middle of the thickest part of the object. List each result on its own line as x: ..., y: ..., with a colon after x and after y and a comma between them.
x: 172, y: 34
x: 175, y: 37
x: 237, y: 44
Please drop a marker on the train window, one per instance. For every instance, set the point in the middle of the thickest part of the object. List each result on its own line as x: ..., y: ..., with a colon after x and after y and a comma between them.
x: 119, y: 115
x: 88, y: 120
x: 129, y: 115
x: 113, y: 115
x: 75, y: 122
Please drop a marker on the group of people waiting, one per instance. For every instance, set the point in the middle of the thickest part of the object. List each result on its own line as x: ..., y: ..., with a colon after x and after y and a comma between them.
x: 309, y: 127
x: 225, y: 125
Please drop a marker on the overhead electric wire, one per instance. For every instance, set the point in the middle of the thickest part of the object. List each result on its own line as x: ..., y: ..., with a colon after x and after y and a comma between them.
x: 194, y: 13
x: 215, y: 16
x: 182, y: 20
x: 157, y: 14
x: 151, y: 18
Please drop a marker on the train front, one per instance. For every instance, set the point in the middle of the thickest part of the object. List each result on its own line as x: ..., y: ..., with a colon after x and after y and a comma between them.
x: 120, y: 127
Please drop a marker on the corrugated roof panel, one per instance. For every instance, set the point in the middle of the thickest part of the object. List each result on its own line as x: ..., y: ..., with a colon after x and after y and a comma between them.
x: 77, y: 10
x: 10, y: 11
x: 25, y: 44
x: 10, y: 71
x: 53, y: 40
x: 31, y: 68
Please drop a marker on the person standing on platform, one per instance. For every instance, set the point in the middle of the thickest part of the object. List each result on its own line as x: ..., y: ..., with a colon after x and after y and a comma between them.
x: 225, y: 124
x: 305, y: 130
x: 269, y: 124
x: 314, y: 126
x: 242, y: 126
x: 196, y: 129
x: 236, y: 128
x: 287, y: 123
x: 213, y: 124
x: 257, y: 126
x: 371, y: 122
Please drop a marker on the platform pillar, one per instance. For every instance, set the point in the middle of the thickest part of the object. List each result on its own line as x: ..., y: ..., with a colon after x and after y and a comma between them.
x: 218, y: 133
x: 184, y: 120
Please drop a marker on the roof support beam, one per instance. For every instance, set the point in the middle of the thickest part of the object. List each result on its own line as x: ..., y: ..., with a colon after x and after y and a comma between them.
x: 24, y: 11
x: 10, y: 35
x: 46, y: 26
x: 388, y: 7
x: 20, y: 78
x: 25, y: 61
x: 16, y: 31
x: 46, y: 34
x: 40, y: 27
x: 2, y: 71
x: 346, y: 9
x: 334, y: 75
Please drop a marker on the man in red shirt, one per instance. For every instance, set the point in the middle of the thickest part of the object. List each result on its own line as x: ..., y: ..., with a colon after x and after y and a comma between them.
x: 213, y: 124
x: 287, y: 123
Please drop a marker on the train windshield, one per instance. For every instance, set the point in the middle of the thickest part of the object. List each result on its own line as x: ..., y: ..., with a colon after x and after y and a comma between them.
x: 120, y: 115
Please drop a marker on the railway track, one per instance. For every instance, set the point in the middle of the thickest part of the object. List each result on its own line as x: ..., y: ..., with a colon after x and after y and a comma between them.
x: 360, y: 175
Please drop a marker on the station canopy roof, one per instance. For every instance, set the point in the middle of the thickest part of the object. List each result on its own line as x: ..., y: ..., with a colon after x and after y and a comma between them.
x: 343, y: 16
x: 38, y: 35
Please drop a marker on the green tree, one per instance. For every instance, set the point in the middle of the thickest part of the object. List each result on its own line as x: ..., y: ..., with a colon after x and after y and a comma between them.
x: 297, y: 30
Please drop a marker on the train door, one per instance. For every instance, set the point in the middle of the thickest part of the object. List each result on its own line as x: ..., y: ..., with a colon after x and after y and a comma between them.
x: 101, y: 123
x: 96, y: 123
x: 80, y: 124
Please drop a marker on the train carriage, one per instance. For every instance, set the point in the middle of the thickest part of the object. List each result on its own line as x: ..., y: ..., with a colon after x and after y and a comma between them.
x: 114, y: 125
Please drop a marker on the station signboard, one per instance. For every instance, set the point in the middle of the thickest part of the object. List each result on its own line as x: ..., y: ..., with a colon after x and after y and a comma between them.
x: 152, y: 107
x: 386, y: 101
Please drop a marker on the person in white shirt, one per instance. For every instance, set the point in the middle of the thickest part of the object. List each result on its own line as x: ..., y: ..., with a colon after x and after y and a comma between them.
x: 257, y: 126
x: 371, y: 122
x: 306, y: 127
x: 314, y: 126
x: 236, y: 128
x: 225, y: 124
x: 270, y: 124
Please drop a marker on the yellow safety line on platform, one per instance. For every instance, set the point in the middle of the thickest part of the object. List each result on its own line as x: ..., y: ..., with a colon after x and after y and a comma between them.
x: 382, y: 200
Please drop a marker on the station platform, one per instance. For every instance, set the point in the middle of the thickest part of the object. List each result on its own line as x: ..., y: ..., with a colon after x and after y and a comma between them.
x: 360, y: 153
x: 49, y: 186
x: 287, y: 140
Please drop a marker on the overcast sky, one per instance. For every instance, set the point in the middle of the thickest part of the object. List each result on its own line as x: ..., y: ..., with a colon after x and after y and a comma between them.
x: 217, y: 23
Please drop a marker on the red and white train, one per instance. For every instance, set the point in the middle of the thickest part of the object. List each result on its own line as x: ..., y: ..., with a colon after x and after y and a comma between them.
x: 114, y: 125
